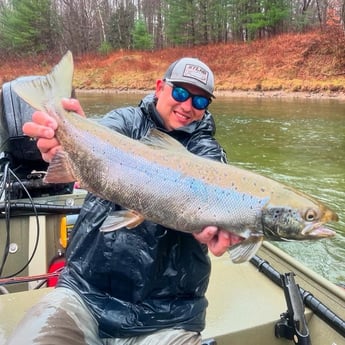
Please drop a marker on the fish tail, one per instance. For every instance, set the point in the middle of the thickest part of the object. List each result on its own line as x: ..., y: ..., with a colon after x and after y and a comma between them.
x: 46, y: 91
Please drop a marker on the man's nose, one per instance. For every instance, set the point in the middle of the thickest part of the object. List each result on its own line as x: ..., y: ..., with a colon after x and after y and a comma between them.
x: 187, y: 104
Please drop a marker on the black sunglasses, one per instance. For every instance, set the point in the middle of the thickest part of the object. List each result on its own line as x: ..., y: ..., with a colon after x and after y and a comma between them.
x: 180, y: 94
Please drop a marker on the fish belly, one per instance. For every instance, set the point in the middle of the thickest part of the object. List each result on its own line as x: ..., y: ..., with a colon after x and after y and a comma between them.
x: 167, y: 196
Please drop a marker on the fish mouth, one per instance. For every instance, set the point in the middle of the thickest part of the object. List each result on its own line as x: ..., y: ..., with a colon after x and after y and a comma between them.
x: 317, y: 230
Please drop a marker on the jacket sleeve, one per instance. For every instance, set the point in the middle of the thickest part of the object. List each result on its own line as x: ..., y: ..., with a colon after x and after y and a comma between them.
x: 127, y: 121
x: 207, y: 147
x: 203, y: 142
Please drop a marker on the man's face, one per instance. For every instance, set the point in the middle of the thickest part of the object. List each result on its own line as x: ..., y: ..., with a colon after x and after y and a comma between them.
x: 173, y: 113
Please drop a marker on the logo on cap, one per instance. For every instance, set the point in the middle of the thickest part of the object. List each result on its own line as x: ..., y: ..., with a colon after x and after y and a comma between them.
x: 196, y: 72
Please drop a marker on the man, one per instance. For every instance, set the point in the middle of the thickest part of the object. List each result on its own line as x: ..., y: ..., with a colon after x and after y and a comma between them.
x: 145, y: 285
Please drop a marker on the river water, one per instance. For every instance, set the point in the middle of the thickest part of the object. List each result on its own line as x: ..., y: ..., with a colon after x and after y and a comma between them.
x: 300, y: 142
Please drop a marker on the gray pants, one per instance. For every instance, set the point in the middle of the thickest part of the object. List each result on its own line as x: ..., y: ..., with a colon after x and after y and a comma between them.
x: 61, y: 318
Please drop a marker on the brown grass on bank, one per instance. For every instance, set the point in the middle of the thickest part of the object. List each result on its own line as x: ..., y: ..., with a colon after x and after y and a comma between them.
x: 313, y: 62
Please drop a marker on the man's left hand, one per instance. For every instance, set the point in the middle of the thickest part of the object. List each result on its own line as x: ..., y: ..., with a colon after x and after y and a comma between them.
x: 217, y: 240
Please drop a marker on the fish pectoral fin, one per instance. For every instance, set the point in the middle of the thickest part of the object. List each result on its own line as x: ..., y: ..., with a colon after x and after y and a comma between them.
x: 120, y: 219
x: 60, y: 169
x: 160, y: 140
x: 245, y: 250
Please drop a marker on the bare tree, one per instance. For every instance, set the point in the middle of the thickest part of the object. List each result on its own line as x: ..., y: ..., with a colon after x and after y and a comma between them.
x: 86, y: 24
x: 83, y: 23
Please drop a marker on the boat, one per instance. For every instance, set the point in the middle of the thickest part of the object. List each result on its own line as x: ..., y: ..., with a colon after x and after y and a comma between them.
x: 272, y: 299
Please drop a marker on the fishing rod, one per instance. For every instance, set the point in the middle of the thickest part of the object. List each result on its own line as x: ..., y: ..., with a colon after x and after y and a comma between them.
x: 26, y: 279
x: 315, y: 305
x: 45, y: 208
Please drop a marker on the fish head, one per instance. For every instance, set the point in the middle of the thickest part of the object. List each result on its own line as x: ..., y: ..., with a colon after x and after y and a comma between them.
x: 287, y: 223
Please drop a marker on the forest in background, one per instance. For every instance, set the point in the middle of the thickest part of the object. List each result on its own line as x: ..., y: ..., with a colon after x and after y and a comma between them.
x: 29, y: 27
x: 258, y: 45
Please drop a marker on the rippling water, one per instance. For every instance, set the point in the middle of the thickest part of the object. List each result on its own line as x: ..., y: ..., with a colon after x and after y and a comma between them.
x: 299, y: 142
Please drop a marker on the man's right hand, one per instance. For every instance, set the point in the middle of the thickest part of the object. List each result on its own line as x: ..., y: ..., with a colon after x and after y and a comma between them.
x: 43, y: 129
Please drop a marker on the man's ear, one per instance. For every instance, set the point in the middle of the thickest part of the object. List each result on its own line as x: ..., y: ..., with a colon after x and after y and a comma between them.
x: 159, y: 87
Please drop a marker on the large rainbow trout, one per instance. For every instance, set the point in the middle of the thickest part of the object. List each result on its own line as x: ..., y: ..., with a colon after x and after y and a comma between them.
x: 157, y: 179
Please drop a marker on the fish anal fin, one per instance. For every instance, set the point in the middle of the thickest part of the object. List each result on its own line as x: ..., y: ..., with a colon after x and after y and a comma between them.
x: 245, y: 250
x: 120, y: 219
x: 60, y: 169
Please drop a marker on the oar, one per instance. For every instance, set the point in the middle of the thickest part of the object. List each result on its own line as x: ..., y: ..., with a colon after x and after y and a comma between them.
x: 315, y: 305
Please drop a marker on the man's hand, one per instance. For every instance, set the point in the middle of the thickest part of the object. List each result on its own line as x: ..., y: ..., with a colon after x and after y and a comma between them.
x: 43, y: 128
x: 217, y: 240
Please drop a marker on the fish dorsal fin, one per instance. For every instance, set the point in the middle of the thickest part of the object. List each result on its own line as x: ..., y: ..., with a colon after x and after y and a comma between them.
x: 160, y: 140
x: 246, y: 249
x: 60, y: 169
x: 51, y: 88
x: 120, y: 219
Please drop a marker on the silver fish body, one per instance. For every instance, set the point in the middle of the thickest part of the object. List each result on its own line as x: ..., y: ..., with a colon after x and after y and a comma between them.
x: 157, y: 179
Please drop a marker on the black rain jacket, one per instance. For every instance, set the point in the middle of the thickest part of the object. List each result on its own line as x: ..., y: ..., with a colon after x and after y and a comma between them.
x: 149, y: 278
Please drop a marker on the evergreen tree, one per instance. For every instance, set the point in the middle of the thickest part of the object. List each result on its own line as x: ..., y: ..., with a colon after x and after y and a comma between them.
x: 179, y: 16
x: 26, y: 27
x: 141, y: 38
x: 121, y: 24
x: 265, y: 18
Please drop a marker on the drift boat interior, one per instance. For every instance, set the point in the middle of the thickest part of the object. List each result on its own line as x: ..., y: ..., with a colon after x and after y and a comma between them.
x: 245, y: 305
x: 273, y: 299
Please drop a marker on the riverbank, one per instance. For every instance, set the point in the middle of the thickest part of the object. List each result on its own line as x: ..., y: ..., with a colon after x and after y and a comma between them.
x: 283, y: 94
x: 238, y: 93
x: 309, y: 65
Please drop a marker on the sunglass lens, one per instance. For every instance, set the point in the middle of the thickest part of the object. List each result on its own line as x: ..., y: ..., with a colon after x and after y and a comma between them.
x: 180, y: 94
x: 200, y: 102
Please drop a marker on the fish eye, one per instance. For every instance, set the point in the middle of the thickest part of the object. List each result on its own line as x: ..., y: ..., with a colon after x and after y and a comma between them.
x: 310, y: 215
